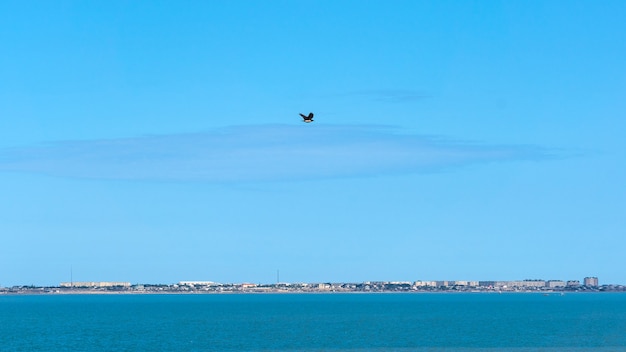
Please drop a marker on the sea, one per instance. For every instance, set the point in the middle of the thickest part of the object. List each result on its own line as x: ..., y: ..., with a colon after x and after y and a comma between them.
x: 460, y: 322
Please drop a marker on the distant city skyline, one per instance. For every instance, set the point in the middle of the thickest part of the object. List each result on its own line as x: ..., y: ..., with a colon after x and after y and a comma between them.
x: 589, y: 281
x: 545, y: 287
x: 158, y: 141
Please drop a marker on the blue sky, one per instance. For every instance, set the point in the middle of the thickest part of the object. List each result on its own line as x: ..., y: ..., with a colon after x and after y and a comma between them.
x: 453, y: 140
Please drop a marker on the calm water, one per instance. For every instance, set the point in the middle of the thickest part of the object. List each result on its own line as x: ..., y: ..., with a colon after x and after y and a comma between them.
x: 314, y: 322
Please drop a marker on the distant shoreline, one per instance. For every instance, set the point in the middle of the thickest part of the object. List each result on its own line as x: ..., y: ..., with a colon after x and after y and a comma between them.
x: 87, y: 292
x: 208, y: 287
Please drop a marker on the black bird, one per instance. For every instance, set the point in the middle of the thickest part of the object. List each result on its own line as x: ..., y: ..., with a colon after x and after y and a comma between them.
x: 309, y: 118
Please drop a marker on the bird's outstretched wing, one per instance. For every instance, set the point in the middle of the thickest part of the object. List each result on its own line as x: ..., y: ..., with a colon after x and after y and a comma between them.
x: 310, y: 116
x: 304, y: 117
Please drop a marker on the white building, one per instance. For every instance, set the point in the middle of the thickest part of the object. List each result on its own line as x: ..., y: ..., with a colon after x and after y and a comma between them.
x: 591, y: 281
x: 555, y: 283
x: 196, y: 283
x: 425, y: 284
x: 531, y: 283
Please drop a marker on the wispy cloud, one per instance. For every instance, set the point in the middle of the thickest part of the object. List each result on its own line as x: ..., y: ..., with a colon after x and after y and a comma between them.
x: 259, y: 153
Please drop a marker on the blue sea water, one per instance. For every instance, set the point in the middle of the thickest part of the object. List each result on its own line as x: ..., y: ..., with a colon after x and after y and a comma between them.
x: 314, y: 322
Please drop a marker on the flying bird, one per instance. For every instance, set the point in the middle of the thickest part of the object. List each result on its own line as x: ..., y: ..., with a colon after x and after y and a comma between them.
x: 309, y: 118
